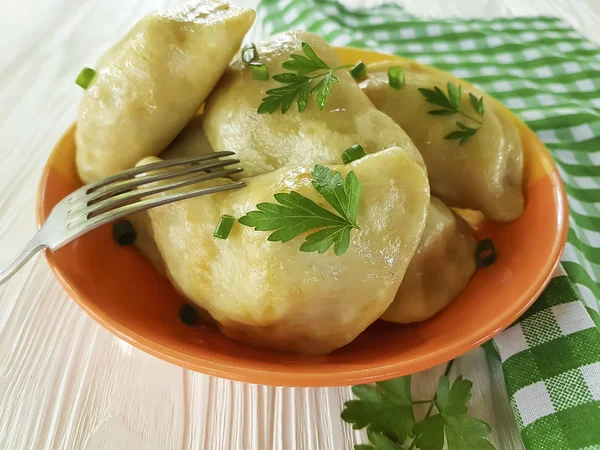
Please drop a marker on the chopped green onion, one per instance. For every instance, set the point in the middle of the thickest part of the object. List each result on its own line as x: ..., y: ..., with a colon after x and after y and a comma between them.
x: 249, y: 53
x: 85, y: 77
x: 224, y: 227
x: 485, y: 254
x: 124, y: 233
x: 353, y: 153
x: 260, y: 72
x: 359, y: 70
x: 188, y: 314
x: 396, y: 77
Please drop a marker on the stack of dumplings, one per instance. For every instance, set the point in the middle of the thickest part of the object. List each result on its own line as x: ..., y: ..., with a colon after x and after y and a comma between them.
x: 176, y: 86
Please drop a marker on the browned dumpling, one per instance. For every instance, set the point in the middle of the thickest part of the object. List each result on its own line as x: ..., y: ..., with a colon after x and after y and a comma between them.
x: 485, y: 173
x: 439, y: 271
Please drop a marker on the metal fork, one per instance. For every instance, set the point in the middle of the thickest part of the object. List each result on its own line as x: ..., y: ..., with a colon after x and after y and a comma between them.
x: 122, y: 194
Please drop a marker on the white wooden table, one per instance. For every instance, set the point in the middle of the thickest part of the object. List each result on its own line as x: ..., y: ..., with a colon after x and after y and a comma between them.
x: 65, y: 382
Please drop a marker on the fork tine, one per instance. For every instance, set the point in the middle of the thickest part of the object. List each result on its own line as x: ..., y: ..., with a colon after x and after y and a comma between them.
x: 143, y: 205
x: 154, y: 166
x: 127, y: 197
x: 124, y: 185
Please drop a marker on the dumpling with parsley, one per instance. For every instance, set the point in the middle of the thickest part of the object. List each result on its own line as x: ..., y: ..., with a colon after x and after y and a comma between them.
x: 471, y: 148
x: 309, y: 110
x: 152, y: 82
x: 316, y: 256
x: 439, y: 271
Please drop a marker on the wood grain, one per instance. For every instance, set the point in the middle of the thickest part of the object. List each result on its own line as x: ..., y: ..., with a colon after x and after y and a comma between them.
x: 65, y: 382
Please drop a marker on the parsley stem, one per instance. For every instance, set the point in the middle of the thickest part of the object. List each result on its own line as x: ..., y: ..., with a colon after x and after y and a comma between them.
x: 448, y: 368
x: 328, y: 72
x: 480, y: 122
x: 432, y: 401
x: 319, y: 75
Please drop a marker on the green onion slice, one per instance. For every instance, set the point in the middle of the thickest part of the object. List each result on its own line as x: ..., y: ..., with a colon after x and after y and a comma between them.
x: 124, y: 233
x: 224, y: 227
x: 485, y: 254
x: 260, y: 72
x: 85, y: 77
x: 396, y: 77
x: 188, y: 314
x: 249, y: 53
x: 359, y: 70
x: 353, y: 153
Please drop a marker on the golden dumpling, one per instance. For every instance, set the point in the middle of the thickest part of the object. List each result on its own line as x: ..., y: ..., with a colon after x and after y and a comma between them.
x: 192, y: 141
x: 265, y: 142
x: 441, y: 268
x: 485, y: 173
x: 152, y: 82
x: 272, y: 294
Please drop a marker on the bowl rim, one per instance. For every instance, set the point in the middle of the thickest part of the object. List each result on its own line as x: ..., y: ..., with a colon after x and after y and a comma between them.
x: 268, y: 376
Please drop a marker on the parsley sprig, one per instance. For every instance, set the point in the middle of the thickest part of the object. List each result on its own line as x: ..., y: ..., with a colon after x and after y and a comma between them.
x: 296, y: 214
x: 307, y: 75
x: 451, y: 104
x: 383, y: 408
x: 386, y: 410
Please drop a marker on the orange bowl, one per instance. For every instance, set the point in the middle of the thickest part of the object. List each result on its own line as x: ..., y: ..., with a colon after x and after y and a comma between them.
x: 122, y: 291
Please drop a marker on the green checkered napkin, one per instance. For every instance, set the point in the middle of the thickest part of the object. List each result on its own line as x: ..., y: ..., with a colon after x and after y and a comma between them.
x: 551, y: 361
x: 550, y: 76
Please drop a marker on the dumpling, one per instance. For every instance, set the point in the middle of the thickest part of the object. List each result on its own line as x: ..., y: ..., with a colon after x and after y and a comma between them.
x: 485, y: 173
x: 264, y: 142
x: 152, y: 82
x: 439, y: 271
x: 192, y: 141
x: 271, y: 294
x: 145, y: 242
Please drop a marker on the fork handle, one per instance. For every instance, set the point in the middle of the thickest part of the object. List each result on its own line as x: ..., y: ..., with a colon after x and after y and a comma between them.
x: 32, y: 247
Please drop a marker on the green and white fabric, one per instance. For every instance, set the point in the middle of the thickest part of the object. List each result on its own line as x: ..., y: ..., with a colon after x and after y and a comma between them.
x: 550, y: 76
x: 551, y: 362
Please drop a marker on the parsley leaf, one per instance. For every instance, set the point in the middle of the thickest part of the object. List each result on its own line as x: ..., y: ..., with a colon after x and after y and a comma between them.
x: 455, y: 94
x: 323, y: 88
x: 301, y: 82
x: 429, y: 433
x: 343, y: 196
x: 477, y: 104
x: 438, y: 98
x: 297, y: 87
x: 379, y: 441
x: 467, y: 433
x: 296, y: 214
x: 451, y: 104
x: 386, y: 410
x: 453, y: 400
x: 463, y: 133
x: 385, y: 407
x: 462, y: 432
